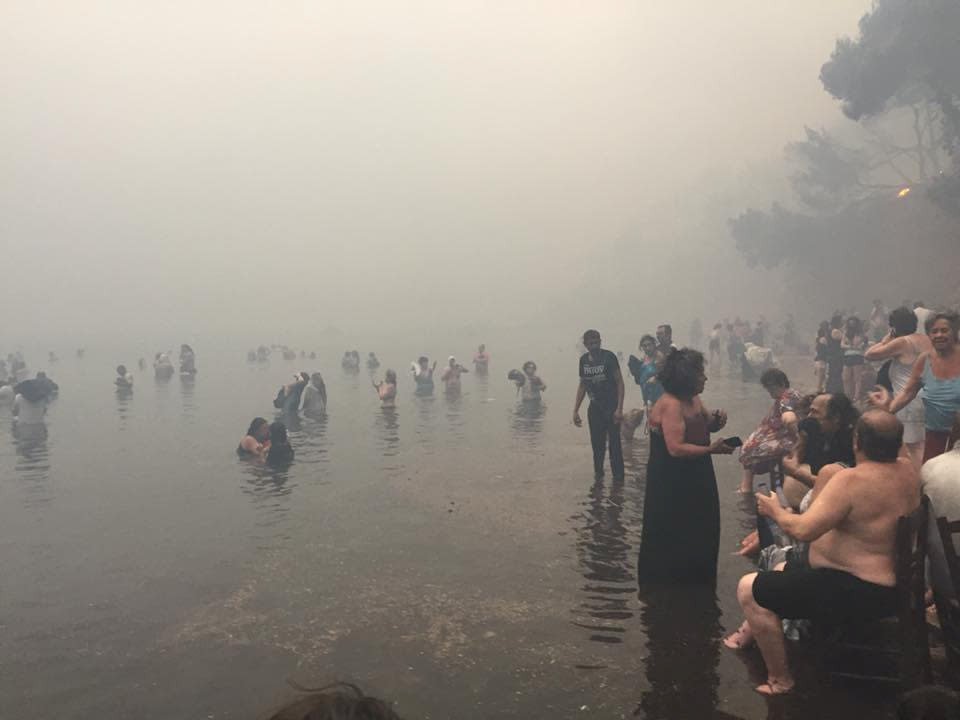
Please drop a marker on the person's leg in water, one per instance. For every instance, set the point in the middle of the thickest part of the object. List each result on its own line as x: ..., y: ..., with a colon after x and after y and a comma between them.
x: 616, y: 447
x: 598, y: 437
x: 766, y: 630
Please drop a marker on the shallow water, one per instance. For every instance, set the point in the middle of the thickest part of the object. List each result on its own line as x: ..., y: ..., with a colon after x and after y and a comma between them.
x: 454, y: 555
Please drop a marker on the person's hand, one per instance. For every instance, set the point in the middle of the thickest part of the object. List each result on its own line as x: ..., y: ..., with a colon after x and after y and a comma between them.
x: 719, y: 420
x: 617, y: 416
x: 576, y: 419
x: 879, y: 397
x: 719, y: 447
x: 767, y: 505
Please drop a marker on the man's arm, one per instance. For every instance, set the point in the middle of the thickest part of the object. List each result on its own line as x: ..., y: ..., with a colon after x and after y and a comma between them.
x: 827, y: 511
x: 581, y: 391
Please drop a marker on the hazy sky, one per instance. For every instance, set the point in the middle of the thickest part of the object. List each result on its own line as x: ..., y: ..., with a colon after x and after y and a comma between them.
x: 253, y: 169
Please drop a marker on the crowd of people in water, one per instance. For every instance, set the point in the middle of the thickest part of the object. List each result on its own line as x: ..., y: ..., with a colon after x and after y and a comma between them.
x: 831, y: 470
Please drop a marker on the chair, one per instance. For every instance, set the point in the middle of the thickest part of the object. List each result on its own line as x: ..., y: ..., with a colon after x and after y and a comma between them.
x: 948, y: 604
x: 908, y: 662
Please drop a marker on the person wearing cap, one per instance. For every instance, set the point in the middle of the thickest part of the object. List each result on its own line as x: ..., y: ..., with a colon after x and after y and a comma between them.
x: 450, y: 377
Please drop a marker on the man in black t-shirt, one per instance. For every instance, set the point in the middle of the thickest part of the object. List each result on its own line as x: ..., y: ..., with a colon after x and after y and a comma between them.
x: 600, y: 378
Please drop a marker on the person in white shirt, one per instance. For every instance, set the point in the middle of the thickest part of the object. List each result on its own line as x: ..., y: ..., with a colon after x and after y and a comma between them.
x: 940, y: 477
x: 29, y: 411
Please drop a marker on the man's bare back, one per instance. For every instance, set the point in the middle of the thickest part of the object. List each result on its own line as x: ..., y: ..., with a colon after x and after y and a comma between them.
x: 874, y: 496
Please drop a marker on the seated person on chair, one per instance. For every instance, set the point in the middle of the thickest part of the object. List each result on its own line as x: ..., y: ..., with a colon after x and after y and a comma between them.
x: 848, y: 573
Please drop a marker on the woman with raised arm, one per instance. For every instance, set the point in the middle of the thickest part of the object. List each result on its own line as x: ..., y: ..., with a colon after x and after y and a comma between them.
x: 938, y: 373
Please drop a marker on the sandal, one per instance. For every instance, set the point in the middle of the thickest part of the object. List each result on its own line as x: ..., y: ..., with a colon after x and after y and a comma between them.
x: 741, y: 639
x: 773, y: 687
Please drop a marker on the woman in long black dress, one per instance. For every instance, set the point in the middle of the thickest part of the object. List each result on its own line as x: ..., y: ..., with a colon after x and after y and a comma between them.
x: 681, y: 512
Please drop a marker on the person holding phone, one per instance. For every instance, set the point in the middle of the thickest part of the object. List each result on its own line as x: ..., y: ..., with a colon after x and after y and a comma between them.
x: 681, y: 511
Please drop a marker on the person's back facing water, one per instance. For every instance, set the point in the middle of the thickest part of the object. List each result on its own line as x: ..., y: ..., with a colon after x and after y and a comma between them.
x: 280, y: 452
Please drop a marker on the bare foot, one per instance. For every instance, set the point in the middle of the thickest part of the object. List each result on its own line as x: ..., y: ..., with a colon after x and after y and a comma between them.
x: 742, y: 638
x: 775, y: 687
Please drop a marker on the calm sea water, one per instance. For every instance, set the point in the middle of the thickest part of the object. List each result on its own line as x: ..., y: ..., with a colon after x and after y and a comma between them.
x: 454, y: 555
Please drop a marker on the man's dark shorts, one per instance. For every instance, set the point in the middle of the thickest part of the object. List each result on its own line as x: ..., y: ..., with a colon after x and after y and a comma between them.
x: 822, y: 594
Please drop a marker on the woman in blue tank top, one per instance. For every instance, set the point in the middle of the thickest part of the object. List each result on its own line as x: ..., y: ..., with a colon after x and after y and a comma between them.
x: 938, y: 374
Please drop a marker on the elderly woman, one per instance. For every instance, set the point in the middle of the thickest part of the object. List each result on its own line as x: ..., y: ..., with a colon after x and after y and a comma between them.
x: 681, y: 511
x: 776, y: 434
x: 938, y: 373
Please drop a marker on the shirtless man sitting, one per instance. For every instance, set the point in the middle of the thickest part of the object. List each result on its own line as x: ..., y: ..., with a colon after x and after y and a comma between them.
x: 848, y: 573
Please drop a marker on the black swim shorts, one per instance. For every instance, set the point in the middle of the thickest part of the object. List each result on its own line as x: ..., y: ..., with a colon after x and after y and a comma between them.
x: 822, y: 594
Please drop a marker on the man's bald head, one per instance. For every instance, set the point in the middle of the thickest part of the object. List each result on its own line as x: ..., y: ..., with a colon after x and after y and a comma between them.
x: 879, y: 436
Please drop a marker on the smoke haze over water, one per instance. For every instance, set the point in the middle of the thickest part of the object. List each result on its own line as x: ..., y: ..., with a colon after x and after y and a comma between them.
x: 234, y: 168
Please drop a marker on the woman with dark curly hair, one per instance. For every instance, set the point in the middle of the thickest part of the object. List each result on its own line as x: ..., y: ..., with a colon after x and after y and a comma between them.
x: 681, y: 511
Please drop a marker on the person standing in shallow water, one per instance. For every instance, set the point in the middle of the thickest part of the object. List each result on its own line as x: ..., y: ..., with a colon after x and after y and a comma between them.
x: 681, y: 509
x: 600, y: 378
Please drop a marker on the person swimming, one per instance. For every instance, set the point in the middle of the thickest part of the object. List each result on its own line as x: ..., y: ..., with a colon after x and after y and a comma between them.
x: 387, y: 389
x: 257, y: 440
x: 280, y: 452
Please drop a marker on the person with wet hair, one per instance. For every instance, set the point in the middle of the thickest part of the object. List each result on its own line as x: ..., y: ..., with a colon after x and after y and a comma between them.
x: 847, y: 573
x: 938, y: 373
x: 280, y: 452
x: 681, y: 509
x: 600, y: 378
x: 340, y: 701
x: 256, y: 441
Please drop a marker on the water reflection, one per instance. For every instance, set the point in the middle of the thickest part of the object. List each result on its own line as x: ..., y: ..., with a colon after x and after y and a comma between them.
x: 426, y: 421
x: 387, y: 432
x: 683, y: 630
x: 124, y: 401
x: 527, y: 420
x: 33, y: 461
x: 606, y: 562
x: 309, y: 438
x: 454, y: 414
x: 270, y: 490
x: 187, y: 384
